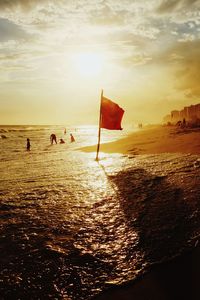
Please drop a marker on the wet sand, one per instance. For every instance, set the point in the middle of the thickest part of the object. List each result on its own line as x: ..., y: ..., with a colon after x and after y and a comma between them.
x: 174, y: 280
x: 178, y: 278
x: 155, y: 139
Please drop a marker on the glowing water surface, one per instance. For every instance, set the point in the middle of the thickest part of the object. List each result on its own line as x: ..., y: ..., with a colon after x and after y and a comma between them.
x: 72, y: 227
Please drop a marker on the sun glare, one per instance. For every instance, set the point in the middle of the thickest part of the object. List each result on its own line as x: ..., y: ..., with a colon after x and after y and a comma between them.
x: 88, y: 64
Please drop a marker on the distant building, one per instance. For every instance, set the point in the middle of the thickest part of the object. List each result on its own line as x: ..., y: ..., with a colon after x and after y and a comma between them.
x: 175, y: 116
x: 190, y: 113
x: 182, y: 115
x: 194, y: 112
x: 185, y: 113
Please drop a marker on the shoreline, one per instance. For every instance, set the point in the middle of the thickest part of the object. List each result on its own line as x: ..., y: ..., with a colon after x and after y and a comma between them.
x: 176, y: 279
x: 154, y: 140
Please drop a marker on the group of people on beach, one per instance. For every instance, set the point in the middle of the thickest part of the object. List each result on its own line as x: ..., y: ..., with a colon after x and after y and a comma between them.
x: 53, y: 139
x: 182, y: 124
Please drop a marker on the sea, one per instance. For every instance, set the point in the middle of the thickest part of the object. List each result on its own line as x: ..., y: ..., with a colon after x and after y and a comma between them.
x: 72, y: 227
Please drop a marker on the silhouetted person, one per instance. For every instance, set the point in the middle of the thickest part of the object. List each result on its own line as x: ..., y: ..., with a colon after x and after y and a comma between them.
x: 65, y: 131
x: 179, y: 123
x: 28, y: 145
x: 140, y: 125
x: 72, y: 138
x: 53, y: 138
x: 62, y: 141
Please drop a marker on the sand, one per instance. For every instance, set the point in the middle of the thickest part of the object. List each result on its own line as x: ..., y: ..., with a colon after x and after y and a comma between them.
x: 179, y: 278
x: 174, y: 280
x: 155, y: 139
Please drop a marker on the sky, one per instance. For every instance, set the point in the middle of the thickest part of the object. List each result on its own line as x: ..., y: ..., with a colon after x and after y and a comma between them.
x: 57, y: 55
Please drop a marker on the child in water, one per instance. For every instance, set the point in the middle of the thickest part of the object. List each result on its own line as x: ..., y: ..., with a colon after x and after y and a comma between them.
x: 28, y: 145
x: 72, y: 138
x: 62, y: 141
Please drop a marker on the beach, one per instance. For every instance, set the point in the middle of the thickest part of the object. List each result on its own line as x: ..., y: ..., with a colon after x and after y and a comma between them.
x: 174, y: 280
x: 74, y: 228
x: 99, y: 150
x: 178, y: 278
x: 155, y: 139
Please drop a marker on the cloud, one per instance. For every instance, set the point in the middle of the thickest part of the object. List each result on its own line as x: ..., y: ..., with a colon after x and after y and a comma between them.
x: 24, y: 4
x: 185, y: 61
x: 168, y: 6
x: 189, y: 72
x: 11, y: 31
x: 136, y: 59
x: 107, y: 15
x: 131, y: 31
x: 181, y: 60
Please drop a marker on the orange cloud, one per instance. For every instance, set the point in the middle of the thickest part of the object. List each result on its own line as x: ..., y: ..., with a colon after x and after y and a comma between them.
x: 189, y: 67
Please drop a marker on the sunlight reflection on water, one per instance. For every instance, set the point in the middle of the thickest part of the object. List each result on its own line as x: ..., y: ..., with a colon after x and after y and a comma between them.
x: 86, y: 225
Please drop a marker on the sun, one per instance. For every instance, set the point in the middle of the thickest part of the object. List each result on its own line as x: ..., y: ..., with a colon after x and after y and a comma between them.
x: 88, y: 64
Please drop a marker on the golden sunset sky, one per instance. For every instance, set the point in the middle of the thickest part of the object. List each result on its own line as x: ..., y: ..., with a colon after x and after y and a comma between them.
x: 57, y: 55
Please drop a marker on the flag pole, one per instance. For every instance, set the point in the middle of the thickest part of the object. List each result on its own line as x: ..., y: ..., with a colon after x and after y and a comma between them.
x: 99, y: 134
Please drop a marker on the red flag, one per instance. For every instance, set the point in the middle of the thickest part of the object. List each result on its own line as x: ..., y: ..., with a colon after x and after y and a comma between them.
x: 111, y: 114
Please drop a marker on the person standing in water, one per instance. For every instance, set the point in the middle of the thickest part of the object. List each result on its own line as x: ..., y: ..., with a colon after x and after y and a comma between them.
x: 28, y: 145
x: 53, y: 138
x: 72, y: 138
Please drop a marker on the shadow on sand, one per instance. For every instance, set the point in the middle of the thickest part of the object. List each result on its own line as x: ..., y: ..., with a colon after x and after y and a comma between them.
x: 167, y: 225
x: 148, y: 204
